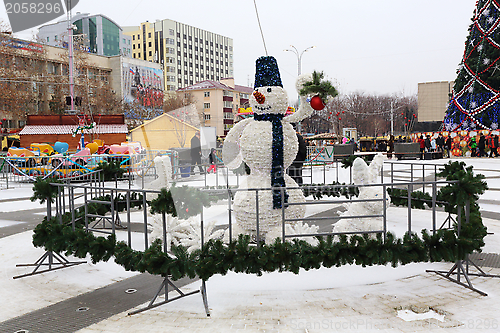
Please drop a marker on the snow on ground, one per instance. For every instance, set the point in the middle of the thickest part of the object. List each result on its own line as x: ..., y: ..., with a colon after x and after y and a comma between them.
x: 292, y: 301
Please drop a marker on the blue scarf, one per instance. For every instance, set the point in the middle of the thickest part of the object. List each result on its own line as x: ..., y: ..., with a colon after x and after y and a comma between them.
x: 277, y: 170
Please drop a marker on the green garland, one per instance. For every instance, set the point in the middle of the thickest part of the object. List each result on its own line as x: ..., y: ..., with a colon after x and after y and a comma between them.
x: 321, y: 88
x: 111, y: 169
x: 336, y: 189
x: 242, y: 256
x: 42, y: 190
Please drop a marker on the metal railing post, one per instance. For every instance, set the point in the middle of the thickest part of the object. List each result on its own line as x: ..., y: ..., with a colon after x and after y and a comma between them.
x: 257, y: 216
x: 410, y: 190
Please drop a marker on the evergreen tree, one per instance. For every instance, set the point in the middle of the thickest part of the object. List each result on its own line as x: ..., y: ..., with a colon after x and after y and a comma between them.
x: 475, y: 100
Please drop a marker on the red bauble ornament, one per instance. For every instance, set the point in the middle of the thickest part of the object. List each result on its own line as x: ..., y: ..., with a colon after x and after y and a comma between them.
x: 316, y: 103
x: 340, y: 118
x: 343, y: 111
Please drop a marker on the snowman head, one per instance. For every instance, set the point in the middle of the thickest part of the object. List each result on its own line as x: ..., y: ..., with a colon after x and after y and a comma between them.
x: 269, y: 95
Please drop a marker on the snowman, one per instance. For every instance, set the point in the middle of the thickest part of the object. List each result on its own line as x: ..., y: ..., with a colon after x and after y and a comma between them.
x: 268, y: 144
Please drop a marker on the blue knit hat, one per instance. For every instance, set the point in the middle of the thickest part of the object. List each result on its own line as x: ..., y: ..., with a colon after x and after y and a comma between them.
x: 267, y: 72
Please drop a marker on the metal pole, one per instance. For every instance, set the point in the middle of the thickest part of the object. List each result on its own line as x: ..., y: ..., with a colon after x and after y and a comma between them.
x: 257, y: 215
x: 434, y: 208
x: 410, y: 190
x: 392, y: 119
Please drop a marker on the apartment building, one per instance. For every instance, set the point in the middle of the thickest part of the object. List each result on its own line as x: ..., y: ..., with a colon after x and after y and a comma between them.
x: 91, y: 33
x: 218, y: 102
x: 188, y: 54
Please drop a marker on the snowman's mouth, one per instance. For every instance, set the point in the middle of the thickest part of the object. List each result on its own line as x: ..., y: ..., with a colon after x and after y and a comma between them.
x: 263, y: 108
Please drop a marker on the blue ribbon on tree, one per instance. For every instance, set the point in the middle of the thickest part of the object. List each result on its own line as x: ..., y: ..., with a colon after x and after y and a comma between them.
x: 277, y: 169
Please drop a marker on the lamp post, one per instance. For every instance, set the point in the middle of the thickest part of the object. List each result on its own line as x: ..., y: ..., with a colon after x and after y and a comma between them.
x: 299, y: 69
x: 299, y: 56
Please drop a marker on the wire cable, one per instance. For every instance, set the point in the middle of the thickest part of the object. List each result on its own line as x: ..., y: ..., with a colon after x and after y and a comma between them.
x: 260, y: 27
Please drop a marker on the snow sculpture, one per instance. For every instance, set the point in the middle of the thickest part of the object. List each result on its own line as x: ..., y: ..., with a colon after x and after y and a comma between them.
x: 185, y: 232
x: 163, y: 168
x: 363, y: 174
x: 268, y: 144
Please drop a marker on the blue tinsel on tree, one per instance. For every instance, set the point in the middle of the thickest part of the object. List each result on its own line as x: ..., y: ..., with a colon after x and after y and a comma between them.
x: 475, y: 100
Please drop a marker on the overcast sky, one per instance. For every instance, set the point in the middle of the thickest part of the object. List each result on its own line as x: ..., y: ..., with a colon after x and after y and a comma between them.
x: 374, y: 46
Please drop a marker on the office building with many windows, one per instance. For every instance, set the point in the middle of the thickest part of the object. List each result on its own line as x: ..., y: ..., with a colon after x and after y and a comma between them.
x: 188, y: 54
x: 91, y: 33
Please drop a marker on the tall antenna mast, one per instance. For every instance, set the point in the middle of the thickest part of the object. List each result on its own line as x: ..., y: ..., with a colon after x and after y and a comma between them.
x: 70, y: 56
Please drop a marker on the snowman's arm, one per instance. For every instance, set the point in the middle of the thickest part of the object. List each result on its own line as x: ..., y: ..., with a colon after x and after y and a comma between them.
x: 305, y: 110
x: 231, y: 154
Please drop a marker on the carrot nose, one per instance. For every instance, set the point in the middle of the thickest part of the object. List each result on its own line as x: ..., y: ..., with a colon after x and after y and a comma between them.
x: 259, y: 97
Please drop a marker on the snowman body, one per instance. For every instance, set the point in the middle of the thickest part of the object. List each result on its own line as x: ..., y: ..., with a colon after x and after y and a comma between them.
x: 255, y: 146
x: 256, y: 152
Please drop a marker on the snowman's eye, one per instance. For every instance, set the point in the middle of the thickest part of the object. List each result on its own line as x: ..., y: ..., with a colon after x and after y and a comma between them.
x: 268, y: 89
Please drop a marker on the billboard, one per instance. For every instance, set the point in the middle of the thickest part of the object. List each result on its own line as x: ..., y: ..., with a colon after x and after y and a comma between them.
x: 143, y: 85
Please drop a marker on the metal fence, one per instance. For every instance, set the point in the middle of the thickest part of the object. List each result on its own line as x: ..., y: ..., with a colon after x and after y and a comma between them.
x: 138, y: 167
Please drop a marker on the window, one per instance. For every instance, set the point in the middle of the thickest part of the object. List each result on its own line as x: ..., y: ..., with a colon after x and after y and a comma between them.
x: 133, y: 46
x: 149, y: 44
x: 207, y: 116
x: 149, y: 35
x: 134, y: 55
x: 171, y: 32
x: 228, y: 115
x: 228, y: 104
x: 150, y: 53
x: 138, y: 37
x: 133, y: 37
x: 206, y: 105
x: 228, y: 93
x: 206, y: 94
x: 55, y: 38
x: 47, y: 39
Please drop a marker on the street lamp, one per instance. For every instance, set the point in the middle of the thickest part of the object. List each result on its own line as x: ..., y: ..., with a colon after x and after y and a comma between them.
x: 299, y: 55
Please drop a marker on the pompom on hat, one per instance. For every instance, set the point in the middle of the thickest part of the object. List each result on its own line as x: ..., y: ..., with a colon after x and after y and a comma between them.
x: 267, y: 72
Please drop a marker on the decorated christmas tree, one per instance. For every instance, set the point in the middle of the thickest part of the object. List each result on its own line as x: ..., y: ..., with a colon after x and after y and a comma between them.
x: 475, y: 100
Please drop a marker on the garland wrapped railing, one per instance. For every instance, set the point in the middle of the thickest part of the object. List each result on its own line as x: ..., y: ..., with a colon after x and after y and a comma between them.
x: 217, y: 257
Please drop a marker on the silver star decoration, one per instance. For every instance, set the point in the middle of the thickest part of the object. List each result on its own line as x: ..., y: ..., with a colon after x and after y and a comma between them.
x: 473, y: 105
x: 494, y: 126
x: 491, y: 20
x: 486, y: 61
x: 480, y: 48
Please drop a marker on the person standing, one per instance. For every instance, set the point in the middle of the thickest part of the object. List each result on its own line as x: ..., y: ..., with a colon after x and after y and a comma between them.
x: 440, y: 142
x: 493, y: 144
x: 481, y: 145
x: 212, y: 158
x: 196, y: 153
x: 448, y: 146
x: 421, y: 141
x: 473, y: 146
x: 427, y: 144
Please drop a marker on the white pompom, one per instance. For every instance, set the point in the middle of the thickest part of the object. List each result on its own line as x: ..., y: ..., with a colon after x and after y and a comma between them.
x: 301, y: 80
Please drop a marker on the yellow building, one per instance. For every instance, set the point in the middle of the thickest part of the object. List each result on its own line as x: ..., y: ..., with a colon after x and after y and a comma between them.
x: 218, y: 102
x: 164, y: 132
